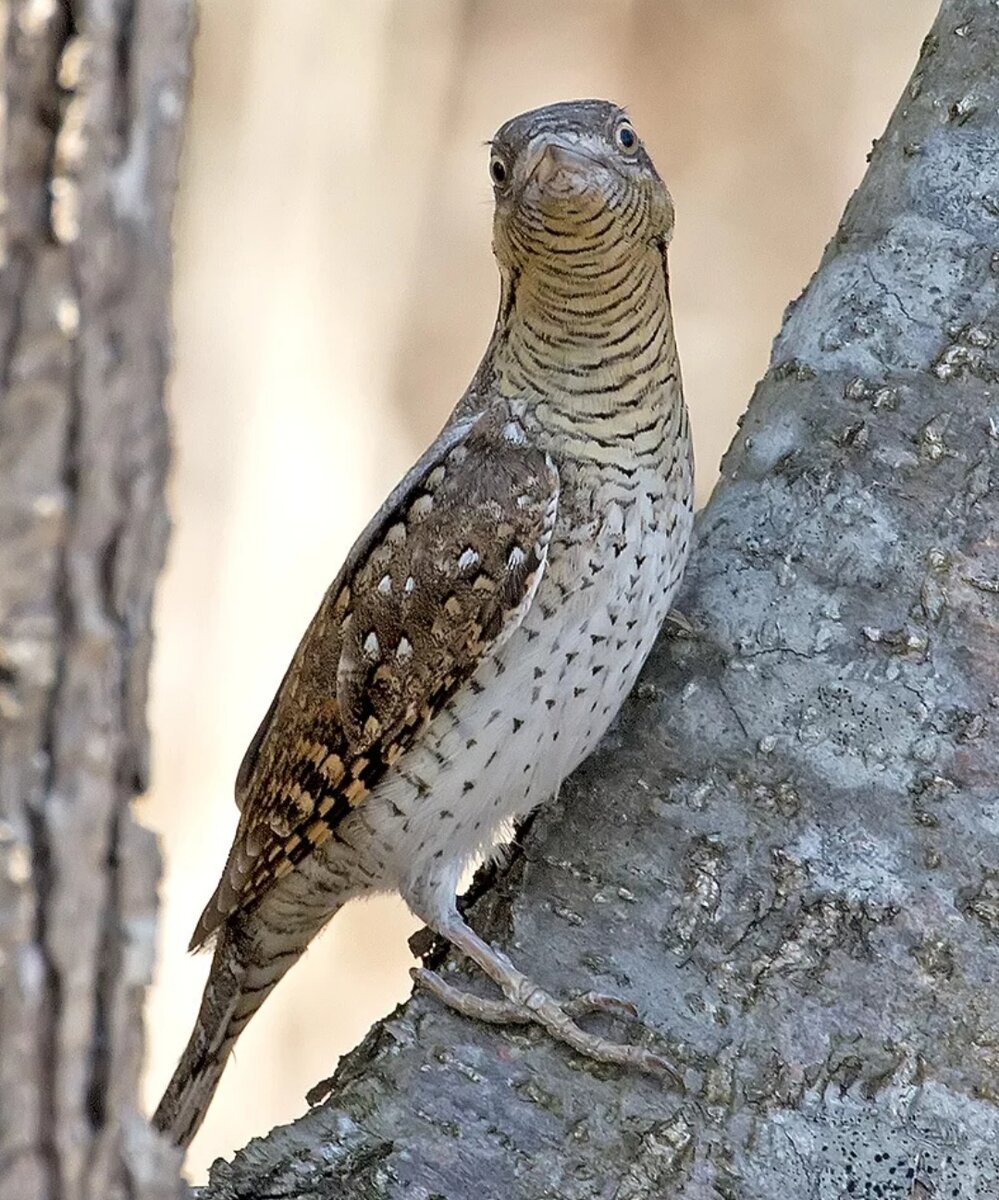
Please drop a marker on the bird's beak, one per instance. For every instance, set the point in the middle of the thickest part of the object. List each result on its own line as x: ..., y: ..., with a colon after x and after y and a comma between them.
x: 551, y: 159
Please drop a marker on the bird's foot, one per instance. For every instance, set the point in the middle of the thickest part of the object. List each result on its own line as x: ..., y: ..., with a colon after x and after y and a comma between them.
x: 509, y: 1012
x: 525, y: 1003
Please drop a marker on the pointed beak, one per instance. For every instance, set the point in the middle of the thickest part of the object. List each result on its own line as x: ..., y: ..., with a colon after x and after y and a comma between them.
x: 551, y: 161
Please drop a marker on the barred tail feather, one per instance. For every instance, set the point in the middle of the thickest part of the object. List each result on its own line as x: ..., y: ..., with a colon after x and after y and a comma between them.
x: 240, y: 981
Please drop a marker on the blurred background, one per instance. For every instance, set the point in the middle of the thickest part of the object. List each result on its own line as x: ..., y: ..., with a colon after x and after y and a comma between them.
x: 334, y: 291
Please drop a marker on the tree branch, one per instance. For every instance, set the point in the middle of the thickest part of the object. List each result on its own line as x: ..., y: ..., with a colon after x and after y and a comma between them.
x: 785, y: 853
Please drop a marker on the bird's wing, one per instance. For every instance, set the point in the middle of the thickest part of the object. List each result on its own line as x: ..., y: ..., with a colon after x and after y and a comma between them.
x: 439, y: 579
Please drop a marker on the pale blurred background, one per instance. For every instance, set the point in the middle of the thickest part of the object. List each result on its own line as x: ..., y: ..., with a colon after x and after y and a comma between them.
x: 334, y: 291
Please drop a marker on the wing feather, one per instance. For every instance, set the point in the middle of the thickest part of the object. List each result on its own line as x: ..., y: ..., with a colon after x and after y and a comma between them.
x: 441, y: 577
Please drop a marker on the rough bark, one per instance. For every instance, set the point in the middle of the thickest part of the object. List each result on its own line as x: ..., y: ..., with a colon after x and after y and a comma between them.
x: 94, y: 92
x: 785, y: 854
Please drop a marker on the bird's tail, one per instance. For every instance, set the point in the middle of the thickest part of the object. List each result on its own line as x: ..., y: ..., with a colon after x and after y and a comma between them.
x: 244, y: 970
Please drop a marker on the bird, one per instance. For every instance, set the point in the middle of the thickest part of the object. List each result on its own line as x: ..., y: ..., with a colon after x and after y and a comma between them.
x: 490, y: 620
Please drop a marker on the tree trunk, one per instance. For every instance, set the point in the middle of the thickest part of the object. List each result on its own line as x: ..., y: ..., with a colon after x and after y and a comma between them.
x: 94, y: 93
x: 785, y: 854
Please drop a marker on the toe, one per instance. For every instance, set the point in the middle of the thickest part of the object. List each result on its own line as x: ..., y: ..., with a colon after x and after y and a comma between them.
x: 599, y: 1002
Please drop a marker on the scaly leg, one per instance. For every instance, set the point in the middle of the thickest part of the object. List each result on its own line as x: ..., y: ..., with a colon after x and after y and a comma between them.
x: 527, y: 1003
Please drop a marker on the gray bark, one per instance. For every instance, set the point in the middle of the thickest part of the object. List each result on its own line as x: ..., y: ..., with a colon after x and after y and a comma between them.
x: 785, y: 854
x: 94, y: 93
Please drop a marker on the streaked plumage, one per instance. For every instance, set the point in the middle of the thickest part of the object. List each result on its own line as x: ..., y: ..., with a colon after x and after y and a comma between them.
x: 490, y: 620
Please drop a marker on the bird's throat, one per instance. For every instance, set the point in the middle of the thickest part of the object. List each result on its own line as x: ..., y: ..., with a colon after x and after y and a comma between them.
x: 591, y: 354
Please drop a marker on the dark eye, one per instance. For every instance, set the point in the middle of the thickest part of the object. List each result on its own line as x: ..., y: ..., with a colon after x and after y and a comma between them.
x: 497, y: 170
x: 626, y: 138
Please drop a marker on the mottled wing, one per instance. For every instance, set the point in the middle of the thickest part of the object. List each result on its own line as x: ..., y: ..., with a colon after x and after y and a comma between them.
x: 441, y: 577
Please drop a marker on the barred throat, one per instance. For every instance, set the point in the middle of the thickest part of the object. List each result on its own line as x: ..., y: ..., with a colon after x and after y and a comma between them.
x: 587, y: 339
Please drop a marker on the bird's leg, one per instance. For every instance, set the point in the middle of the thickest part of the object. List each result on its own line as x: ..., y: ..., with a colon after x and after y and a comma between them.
x: 527, y: 1003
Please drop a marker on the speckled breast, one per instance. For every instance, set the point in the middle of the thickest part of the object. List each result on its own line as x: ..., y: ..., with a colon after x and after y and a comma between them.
x: 538, y: 706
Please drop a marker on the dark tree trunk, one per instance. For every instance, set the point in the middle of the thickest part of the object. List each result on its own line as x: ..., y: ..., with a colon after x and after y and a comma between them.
x: 786, y: 853
x: 94, y: 94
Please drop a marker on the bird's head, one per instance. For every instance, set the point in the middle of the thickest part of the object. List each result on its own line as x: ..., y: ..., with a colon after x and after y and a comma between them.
x: 574, y: 190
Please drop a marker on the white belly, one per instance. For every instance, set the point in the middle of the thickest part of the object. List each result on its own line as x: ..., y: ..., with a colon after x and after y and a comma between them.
x: 538, y: 706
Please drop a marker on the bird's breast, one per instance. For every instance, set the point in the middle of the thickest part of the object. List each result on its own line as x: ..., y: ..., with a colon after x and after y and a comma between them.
x: 536, y: 708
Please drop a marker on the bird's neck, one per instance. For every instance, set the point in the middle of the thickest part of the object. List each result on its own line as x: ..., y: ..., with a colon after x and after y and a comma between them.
x: 590, y: 350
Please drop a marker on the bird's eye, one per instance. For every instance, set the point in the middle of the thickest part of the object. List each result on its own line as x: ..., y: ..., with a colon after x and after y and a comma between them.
x: 497, y: 170
x: 626, y: 138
